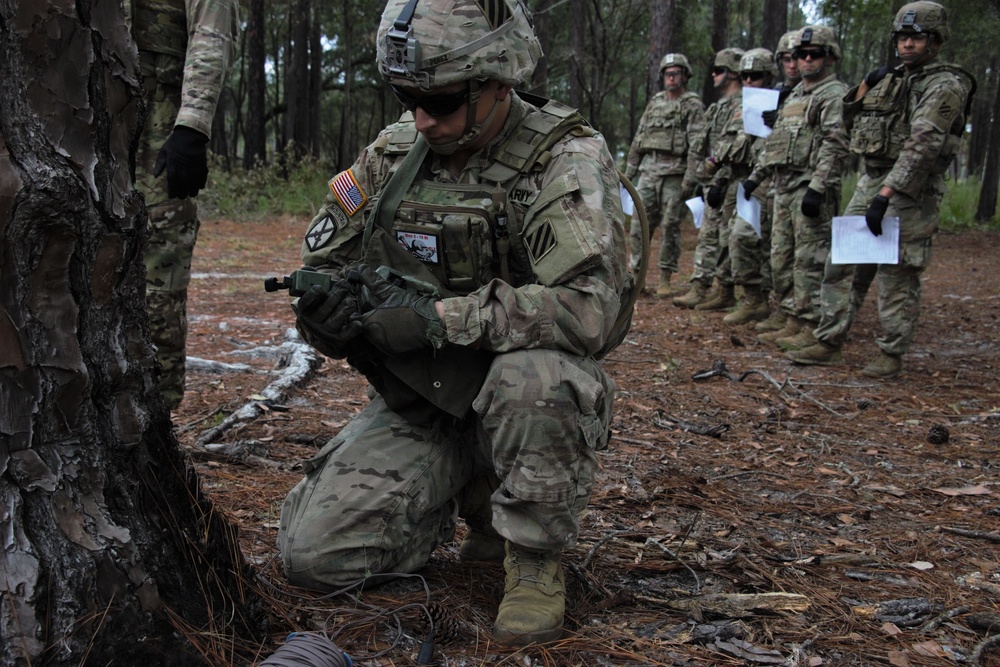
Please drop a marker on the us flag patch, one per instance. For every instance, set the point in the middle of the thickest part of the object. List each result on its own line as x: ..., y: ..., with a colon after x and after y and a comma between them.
x: 347, y: 191
x: 541, y: 241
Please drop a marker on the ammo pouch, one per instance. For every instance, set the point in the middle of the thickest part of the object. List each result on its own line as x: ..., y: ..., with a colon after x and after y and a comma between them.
x: 880, y: 129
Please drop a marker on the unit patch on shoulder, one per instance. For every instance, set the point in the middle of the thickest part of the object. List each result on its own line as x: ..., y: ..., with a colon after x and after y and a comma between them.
x: 541, y: 241
x: 321, y: 233
x: 348, y: 192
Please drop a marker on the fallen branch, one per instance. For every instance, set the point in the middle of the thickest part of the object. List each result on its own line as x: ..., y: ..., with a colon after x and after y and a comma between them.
x: 199, y: 365
x: 977, y: 534
x: 666, y: 421
x: 719, y: 369
x: 982, y: 647
x: 301, y: 362
x: 248, y: 452
x: 736, y: 605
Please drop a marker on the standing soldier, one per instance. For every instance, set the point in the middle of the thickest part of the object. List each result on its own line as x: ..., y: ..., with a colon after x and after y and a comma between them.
x: 906, y: 124
x: 790, y: 78
x: 659, y: 155
x: 749, y: 253
x: 713, y: 175
x: 488, y: 401
x: 805, y: 155
x: 186, y: 48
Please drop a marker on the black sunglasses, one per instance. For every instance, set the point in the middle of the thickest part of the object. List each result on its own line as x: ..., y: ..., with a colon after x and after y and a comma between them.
x: 753, y: 76
x: 808, y: 54
x: 719, y: 70
x: 434, y: 105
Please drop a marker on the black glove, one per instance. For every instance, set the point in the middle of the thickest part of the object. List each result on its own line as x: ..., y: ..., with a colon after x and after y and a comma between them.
x: 325, y: 318
x: 875, y: 213
x: 876, y: 75
x: 716, y: 195
x: 399, y: 320
x: 748, y: 188
x: 812, y: 201
x: 770, y: 117
x: 184, y: 156
x: 699, y: 191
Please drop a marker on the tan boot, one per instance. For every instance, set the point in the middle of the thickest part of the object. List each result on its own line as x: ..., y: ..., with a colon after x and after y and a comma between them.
x: 885, y: 366
x: 792, y: 326
x: 752, y: 307
x: 664, y: 288
x: 820, y: 354
x: 534, y: 600
x: 725, y: 297
x: 693, y: 297
x: 803, y: 339
x: 776, y: 322
x: 482, y: 542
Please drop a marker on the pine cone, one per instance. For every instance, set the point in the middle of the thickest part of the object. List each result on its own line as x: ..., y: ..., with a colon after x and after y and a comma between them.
x: 865, y: 403
x: 938, y: 434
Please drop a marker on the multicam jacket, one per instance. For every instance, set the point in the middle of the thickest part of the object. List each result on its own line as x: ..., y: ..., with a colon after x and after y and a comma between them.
x: 666, y: 132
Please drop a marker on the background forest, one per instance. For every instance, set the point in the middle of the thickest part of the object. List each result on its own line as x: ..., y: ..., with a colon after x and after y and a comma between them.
x: 305, y: 96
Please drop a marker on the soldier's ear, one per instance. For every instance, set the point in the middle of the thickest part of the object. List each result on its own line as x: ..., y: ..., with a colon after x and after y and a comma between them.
x: 503, y: 90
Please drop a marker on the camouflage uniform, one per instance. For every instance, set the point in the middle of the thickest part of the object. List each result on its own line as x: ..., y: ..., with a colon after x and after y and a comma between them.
x: 807, y: 149
x: 186, y: 48
x: 907, y: 129
x: 384, y: 493
x: 659, y: 155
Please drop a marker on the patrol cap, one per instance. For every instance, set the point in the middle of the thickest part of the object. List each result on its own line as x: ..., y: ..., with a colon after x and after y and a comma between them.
x: 432, y: 43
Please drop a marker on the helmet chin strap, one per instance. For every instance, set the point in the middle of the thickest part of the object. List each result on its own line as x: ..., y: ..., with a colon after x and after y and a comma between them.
x: 472, y: 128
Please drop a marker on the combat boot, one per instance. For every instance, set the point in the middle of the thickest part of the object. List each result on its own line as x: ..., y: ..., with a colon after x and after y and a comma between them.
x: 693, y: 297
x: 534, y: 599
x: 664, y: 288
x: 725, y: 297
x: 752, y: 307
x: 820, y: 354
x: 885, y: 366
x: 482, y: 542
x: 775, y: 322
x: 792, y: 326
x: 803, y: 339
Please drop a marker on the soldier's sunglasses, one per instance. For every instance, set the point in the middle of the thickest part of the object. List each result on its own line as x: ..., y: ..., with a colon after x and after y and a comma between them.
x: 434, y: 105
x: 719, y: 70
x: 808, y: 54
x: 753, y: 76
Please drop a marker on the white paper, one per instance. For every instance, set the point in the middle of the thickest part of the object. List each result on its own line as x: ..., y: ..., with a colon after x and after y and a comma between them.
x: 853, y: 242
x: 628, y: 206
x: 748, y: 209
x: 697, y: 206
x: 755, y: 102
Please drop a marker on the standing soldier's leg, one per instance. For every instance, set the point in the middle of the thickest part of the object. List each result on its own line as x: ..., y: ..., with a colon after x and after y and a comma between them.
x: 782, y: 260
x: 670, y: 246
x: 648, y: 189
x: 746, y: 257
x: 705, y: 257
x: 724, y: 296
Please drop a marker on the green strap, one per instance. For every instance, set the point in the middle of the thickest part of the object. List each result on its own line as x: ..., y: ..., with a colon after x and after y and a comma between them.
x: 395, y: 188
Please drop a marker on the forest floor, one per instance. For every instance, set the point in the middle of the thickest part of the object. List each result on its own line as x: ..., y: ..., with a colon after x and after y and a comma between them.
x: 831, y: 489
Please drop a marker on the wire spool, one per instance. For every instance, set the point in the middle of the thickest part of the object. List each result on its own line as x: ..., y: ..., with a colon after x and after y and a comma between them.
x: 308, y: 649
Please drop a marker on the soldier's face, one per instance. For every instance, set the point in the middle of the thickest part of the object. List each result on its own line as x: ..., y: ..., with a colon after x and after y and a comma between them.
x: 913, y: 47
x: 811, y: 61
x: 790, y: 67
x: 673, y: 79
x: 443, y: 129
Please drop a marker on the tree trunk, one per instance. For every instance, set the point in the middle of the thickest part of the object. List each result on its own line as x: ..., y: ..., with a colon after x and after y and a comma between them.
x: 987, y: 206
x: 255, y: 139
x: 297, y: 81
x: 543, y: 22
x: 661, y: 21
x: 111, y: 555
x: 577, y: 71
x: 775, y: 22
x: 720, y: 40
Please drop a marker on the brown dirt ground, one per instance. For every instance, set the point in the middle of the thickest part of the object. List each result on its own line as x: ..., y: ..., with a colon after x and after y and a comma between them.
x: 823, y: 484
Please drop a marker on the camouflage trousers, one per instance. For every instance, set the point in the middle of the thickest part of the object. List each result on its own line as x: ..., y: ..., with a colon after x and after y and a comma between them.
x: 665, y: 208
x: 845, y: 285
x: 750, y: 254
x: 800, y: 246
x: 711, y: 254
x: 381, y: 496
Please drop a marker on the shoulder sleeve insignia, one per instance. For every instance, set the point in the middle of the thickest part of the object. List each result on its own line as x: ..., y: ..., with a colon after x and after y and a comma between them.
x: 541, y: 241
x: 321, y: 233
x: 347, y: 190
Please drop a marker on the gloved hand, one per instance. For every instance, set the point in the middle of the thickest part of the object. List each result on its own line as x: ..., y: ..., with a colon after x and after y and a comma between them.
x: 185, y: 157
x: 325, y: 318
x: 699, y: 191
x: 397, y: 320
x: 875, y: 213
x: 748, y: 187
x: 876, y: 75
x: 770, y: 117
x: 687, y: 189
x: 812, y: 201
x: 716, y: 195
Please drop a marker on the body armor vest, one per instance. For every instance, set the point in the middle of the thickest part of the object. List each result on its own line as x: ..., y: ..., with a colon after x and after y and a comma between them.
x: 882, y: 126
x: 665, y: 128
x: 160, y: 26
x: 796, y: 137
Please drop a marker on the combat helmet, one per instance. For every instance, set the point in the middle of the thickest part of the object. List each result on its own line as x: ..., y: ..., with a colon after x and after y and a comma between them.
x: 758, y: 60
x: 729, y: 58
x: 785, y: 44
x: 818, y: 35
x: 432, y: 43
x: 920, y: 17
x: 675, y: 60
